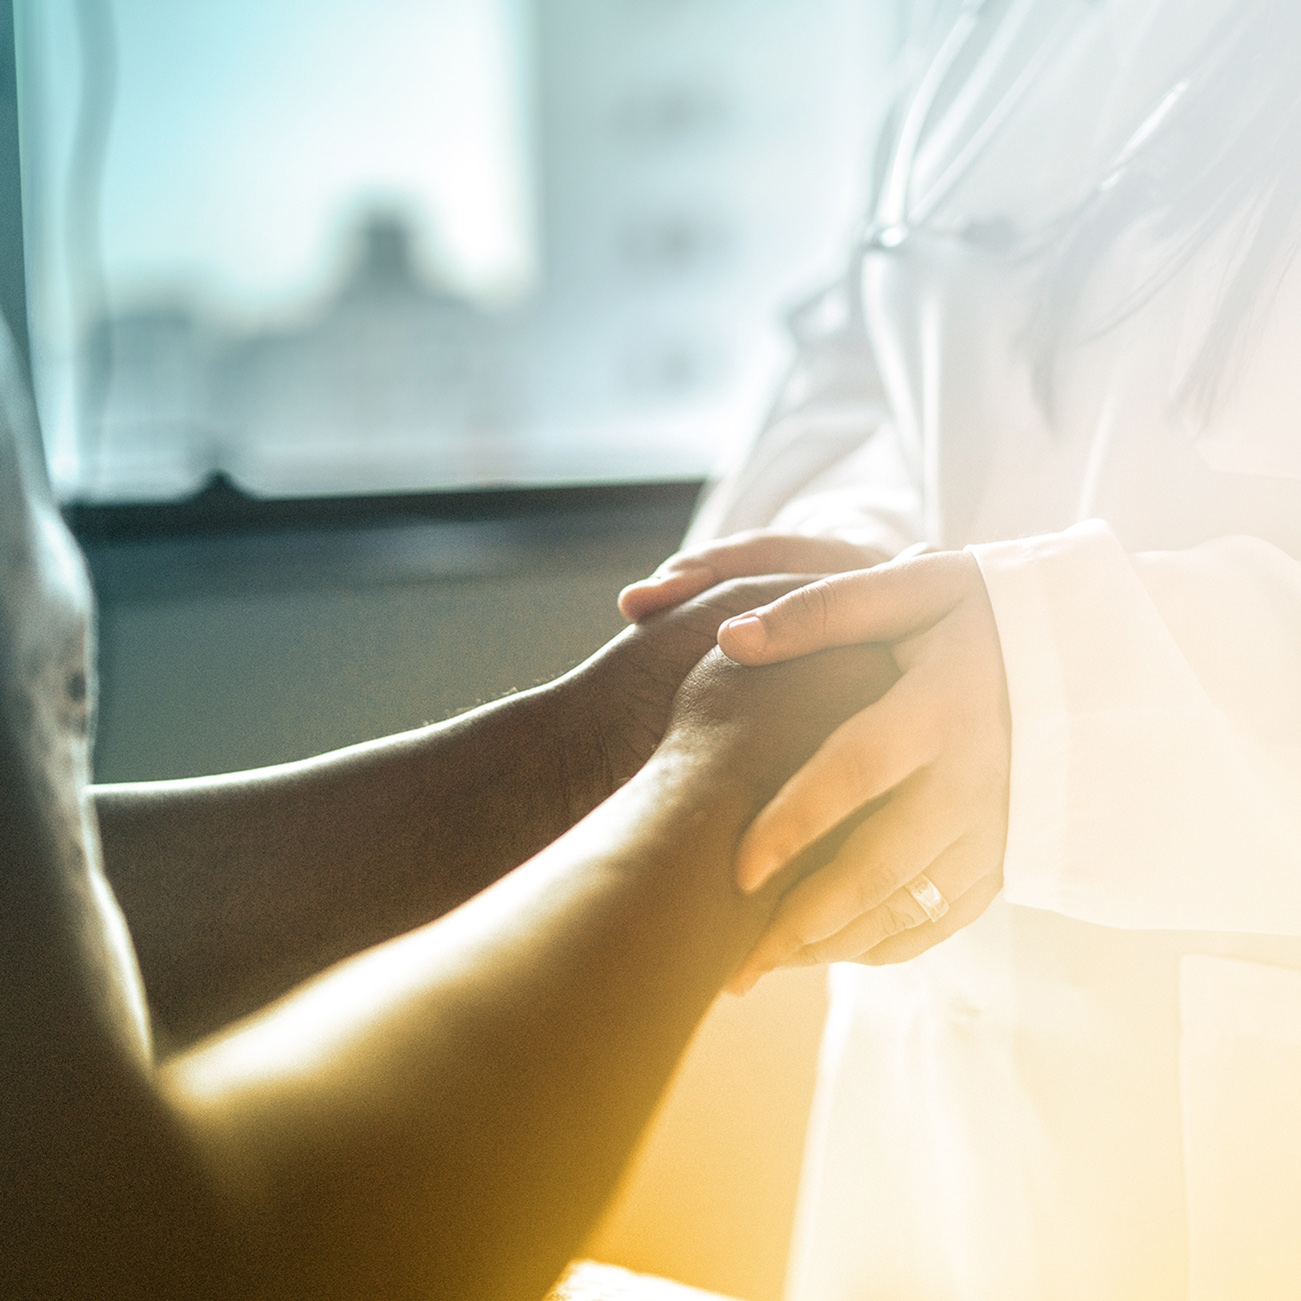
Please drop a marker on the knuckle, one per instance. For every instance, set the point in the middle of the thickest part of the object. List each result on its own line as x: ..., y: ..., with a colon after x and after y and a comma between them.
x: 809, y: 956
x: 810, y: 922
x: 836, y: 949
x: 742, y: 555
x: 867, y: 892
x: 785, y: 934
x: 812, y: 606
x: 900, y: 912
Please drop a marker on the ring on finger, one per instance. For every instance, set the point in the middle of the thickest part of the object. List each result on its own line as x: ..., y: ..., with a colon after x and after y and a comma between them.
x: 928, y: 898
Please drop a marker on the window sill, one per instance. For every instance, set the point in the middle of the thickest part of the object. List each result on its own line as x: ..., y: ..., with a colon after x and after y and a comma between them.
x: 224, y: 541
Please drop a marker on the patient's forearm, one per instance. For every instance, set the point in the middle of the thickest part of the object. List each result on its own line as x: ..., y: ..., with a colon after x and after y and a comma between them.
x: 236, y: 888
x: 445, y: 1114
x: 524, y: 1039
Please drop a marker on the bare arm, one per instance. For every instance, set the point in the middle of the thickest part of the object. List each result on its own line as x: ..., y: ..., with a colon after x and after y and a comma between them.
x: 444, y: 1114
x: 440, y: 1115
x: 481, y: 1080
x: 238, y: 887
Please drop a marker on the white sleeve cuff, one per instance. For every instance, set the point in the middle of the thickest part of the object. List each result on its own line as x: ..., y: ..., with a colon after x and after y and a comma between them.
x: 1136, y: 797
x: 1014, y: 574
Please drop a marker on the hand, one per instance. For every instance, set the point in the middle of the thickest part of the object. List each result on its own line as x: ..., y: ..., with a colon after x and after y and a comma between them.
x: 758, y: 551
x: 748, y: 729
x: 927, y: 764
x: 626, y: 689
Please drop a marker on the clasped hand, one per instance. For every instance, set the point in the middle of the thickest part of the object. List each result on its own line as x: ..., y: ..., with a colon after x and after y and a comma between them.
x: 924, y: 770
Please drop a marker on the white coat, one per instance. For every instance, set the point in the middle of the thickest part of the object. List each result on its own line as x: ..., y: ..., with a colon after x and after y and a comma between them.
x: 1094, y: 1091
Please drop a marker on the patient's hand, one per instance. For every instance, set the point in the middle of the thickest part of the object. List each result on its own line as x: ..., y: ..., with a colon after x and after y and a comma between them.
x: 751, y: 728
x: 627, y: 688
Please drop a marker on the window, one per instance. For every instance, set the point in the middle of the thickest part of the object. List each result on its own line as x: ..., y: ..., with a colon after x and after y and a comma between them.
x: 352, y: 246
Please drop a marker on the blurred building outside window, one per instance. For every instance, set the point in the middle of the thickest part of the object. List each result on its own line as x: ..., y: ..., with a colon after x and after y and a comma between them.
x: 361, y: 246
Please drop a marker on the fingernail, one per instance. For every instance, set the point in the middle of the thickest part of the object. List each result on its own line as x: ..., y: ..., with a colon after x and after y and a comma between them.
x: 747, y: 632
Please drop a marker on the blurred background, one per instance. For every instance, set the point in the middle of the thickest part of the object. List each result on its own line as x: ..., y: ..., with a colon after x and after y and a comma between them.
x: 343, y: 246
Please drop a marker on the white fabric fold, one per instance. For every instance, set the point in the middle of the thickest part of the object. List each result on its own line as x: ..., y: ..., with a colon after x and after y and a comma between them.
x: 1156, y: 765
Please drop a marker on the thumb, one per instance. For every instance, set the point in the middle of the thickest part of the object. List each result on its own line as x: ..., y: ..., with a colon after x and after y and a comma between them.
x: 885, y: 604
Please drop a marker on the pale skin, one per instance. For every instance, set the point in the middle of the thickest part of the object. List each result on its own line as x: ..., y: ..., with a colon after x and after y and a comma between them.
x: 924, y: 771
x: 442, y: 1113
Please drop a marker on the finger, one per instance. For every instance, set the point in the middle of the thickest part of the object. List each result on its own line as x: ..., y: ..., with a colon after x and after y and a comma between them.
x: 890, y: 848
x: 665, y: 588
x: 887, y: 603
x: 863, y: 758
x: 962, y: 912
x: 900, y: 912
x: 688, y: 573
x: 953, y: 873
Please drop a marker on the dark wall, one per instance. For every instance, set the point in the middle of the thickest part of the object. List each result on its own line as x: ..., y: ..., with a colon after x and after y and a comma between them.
x: 216, y: 656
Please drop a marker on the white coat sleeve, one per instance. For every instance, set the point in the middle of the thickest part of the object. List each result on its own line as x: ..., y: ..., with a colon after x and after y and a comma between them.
x: 1156, y: 730
x: 828, y: 460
